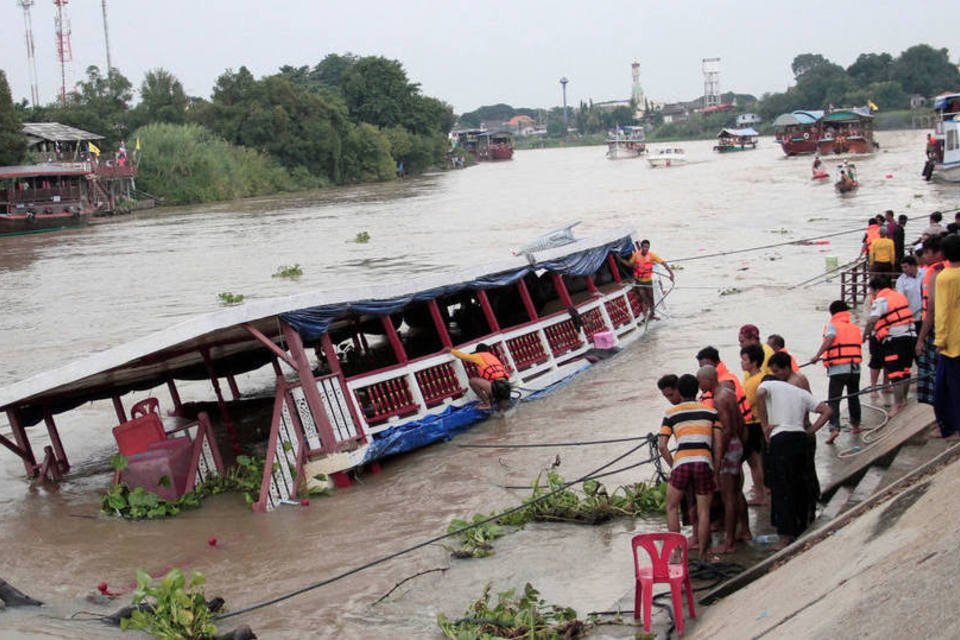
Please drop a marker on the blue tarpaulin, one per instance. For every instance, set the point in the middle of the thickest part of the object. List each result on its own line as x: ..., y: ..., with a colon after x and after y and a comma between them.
x: 413, y: 435
x: 313, y: 322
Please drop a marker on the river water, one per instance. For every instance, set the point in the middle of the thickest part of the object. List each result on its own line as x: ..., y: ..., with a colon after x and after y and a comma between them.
x: 66, y: 295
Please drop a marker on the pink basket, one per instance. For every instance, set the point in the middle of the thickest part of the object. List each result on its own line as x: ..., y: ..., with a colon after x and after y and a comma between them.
x: 603, y: 340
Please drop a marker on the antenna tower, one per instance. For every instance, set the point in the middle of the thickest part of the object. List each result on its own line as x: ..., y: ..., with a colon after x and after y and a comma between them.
x: 31, y: 54
x: 106, y: 35
x: 64, y: 49
x: 711, y: 82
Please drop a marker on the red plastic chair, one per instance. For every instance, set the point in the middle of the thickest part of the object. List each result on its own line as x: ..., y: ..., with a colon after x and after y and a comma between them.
x: 145, y: 406
x: 660, y: 570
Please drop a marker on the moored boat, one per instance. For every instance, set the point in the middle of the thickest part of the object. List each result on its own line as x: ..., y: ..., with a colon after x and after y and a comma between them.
x: 943, y: 156
x: 730, y: 140
x: 798, y: 131
x: 846, y: 131
x: 44, y: 197
x: 626, y: 142
x: 666, y: 157
x: 486, y: 145
x: 352, y: 376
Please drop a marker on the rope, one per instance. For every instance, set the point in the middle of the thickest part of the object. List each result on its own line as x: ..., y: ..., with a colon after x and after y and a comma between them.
x: 536, y: 445
x: 768, y: 246
x: 427, y: 542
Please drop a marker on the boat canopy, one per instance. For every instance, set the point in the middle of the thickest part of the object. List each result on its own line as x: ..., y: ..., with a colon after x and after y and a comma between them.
x: 46, y: 169
x: 948, y: 102
x: 180, y: 352
x: 856, y: 114
x: 738, y: 133
x: 797, y: 118
x: 56, y: 132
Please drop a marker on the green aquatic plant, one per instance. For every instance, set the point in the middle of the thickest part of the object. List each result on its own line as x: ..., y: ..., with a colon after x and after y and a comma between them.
x: 171, y: 609
x: 526, y: 616
x: 228, y: 298
x: 362, y: 237
x: 291, y: 272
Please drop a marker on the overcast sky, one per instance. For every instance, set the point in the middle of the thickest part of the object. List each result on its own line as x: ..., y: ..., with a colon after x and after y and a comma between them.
x: 483, y: 52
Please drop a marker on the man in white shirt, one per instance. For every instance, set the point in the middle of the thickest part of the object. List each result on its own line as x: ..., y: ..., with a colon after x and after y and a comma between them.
x: 783, y: 408
x: 908, y: 283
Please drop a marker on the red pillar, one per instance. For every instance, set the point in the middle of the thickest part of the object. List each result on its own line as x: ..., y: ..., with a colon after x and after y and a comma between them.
x: 592, y: 286
x: 614, y: 267
x: 20, y: 435
x: 440, y: 324
x: 118, y: 407
x: 63, y: 465
x: 527, y: 300
x: 330, y: 352
x: 561, y: 288
x: 394, y: 339
x: 488, y: 311
x: 328, y: 440
x: 234, y: 389
x: 221, y: 403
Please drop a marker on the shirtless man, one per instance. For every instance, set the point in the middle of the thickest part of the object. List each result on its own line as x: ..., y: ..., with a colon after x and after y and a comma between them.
x: 728, y: 474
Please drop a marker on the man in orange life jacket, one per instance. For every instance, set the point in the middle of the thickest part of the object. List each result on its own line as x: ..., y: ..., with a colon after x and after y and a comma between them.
x: 776, y: 342
x: 642, y: 262
x: 492, y: 386
x: 842, y: 355
x: 892, y: 322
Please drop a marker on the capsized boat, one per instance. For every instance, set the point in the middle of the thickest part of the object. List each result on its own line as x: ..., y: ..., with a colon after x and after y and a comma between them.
x: 626, y: 142
x: 348, y: 377
x: 666, y: 157
x: 944, y: 158
x: 730, y: 140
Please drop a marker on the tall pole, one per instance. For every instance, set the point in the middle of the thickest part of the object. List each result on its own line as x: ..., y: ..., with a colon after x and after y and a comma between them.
x: 106, y: 35
x: 64, y: 50
x: 566, y: 118
x: 31, y: 52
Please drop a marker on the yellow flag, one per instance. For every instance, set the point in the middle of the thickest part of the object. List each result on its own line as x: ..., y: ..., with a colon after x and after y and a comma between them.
x: 94, y: 149
x: 136, y: 146
x: 872, y: 105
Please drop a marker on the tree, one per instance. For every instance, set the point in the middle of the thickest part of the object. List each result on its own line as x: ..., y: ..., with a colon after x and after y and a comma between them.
x: 926, y: 71
x: 162, y: 99
x: 870, y: 68
x: 13, y: 144
x: 99, y: 105
x: 378, y: 92
x: 805, y: 63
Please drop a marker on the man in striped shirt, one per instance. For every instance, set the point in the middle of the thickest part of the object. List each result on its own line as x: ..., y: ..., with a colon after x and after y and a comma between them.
x: 696, y: 429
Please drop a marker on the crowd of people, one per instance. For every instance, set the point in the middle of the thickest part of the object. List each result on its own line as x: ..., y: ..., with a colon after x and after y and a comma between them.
x: 722, y: 424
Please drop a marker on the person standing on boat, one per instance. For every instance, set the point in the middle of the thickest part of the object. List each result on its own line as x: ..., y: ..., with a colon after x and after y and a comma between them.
x: 696, y: 428
x: 817, y: 163
x: 492, y: 385
x: 642, y: 262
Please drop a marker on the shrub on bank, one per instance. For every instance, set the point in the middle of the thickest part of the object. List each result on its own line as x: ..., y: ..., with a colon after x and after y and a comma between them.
x: 188, y: 164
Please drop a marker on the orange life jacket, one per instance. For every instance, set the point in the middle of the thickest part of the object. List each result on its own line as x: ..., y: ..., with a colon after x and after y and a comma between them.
x: 873, y: 232
x: 742, y: 403
x: 898, y: 313
x: 643, y: 267
x: 931, y: 271
x: 846, y: 344
x: 492, y: 368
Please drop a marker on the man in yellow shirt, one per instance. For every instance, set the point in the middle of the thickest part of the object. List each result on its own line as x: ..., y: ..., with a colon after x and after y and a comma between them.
x: 883, y: 253
x: 754, y: 443
x: 946, y: 309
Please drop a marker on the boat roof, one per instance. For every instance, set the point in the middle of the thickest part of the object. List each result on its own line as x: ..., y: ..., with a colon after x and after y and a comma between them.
x: 738, y: 133
x: 178, y: 351
x: 799, y: 117
x: 944, y: 100
x: 848, y: 115
x: 45, y: 169
x: 56, y: 132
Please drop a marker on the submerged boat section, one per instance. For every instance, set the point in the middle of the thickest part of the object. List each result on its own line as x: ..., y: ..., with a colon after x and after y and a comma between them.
x: 347, y: 377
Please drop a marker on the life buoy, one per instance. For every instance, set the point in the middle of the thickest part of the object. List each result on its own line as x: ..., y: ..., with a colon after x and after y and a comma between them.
x: 806, y: 135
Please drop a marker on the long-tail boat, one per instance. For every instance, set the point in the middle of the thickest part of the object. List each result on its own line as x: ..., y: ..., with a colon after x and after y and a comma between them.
x: 348, y: 377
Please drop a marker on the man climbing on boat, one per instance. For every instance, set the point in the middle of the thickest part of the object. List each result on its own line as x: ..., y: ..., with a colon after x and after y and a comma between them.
x: 642, y: 262
x: 492, y: 386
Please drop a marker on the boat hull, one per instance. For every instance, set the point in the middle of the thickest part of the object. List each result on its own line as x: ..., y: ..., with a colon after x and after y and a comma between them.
x: 850, y: 145
x: 799, y: 146
x: 947, y: 172
x: 31, y: 223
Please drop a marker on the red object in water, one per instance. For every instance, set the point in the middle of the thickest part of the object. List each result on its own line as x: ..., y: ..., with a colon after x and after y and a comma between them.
x: 677, y: 575
x: 102, y: 588
x: 820, y: 175
x: 212, y: 541
x: 888, y: 176
x: 304, y: 503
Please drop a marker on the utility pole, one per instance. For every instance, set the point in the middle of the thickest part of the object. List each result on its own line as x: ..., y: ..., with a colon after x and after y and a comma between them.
x: 64, y: 49
x: 566, y: 119
x: 106, y: 35
x: 31, y: 53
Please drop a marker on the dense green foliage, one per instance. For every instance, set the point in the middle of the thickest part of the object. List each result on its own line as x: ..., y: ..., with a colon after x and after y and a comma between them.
x: 187, y: 163
x: 527, y: 616
x: 171, y: 609
x: 553, y: 502
x: 12, y: 143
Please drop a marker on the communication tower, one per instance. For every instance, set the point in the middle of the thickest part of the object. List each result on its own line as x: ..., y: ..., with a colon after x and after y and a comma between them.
x: 106, y: 34
x: 64, y: 49
x: 711, y: 82
x: 566, y: 119
x: 31, y: 54
x: 636, y: 94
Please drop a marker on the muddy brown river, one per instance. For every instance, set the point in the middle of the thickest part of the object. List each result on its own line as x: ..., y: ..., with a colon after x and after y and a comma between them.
x: 66, y: 295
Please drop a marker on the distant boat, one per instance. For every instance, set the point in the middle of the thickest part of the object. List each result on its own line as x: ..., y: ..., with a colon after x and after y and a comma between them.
x: 846, y: 179
x: 44, y: 197
x: 846, y: 131
x: 627, y: 142
x: 798, y: 131
x: 666, y: 157
x: 944, y: 159
x: 486, y: 145
x: 730, y: 140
